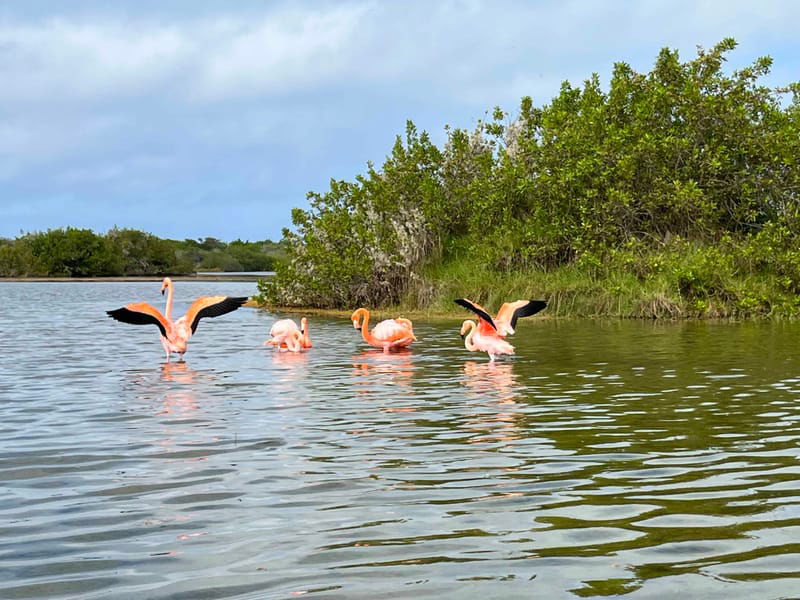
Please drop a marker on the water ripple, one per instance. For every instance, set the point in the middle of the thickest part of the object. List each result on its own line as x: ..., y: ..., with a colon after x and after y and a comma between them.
x: 607, y: 458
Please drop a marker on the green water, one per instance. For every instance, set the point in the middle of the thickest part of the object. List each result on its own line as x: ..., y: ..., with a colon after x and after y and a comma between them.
x: 605, y: 459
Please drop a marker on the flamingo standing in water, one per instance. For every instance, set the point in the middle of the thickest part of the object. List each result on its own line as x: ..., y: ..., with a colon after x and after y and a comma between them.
x: 487, y: 341
x: 388, y: 334
x: 506, y: 319
x: 286, y: 334
x: 175, y: 334
x: 489, y: 334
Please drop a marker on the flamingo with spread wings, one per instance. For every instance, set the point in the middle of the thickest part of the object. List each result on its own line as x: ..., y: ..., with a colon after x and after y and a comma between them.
x: 506, y: 319
x: 286, y: 334
x: 488, y: 335
x: 487, y: 341
x: 175, y: 334
x: 389, y: 334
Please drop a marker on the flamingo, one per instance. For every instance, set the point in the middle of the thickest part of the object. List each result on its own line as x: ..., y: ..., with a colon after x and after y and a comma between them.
x: 286, y: 334
x: 175, y: 334
x: 488, y: 340
x: 506, y: 320
x: 388, y: 334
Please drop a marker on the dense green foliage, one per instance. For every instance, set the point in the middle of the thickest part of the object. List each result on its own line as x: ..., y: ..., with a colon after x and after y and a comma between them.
x: 122, y: 252
x: 671, y: 192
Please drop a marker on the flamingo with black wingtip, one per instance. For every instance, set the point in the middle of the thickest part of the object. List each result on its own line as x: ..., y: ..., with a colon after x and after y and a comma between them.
x: 175, y: 334
x: 488, y: 335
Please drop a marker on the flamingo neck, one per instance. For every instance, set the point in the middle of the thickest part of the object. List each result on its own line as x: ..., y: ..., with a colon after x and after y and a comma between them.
x: 468, y: 340
x: 365, y: 332
x: 293, y: 342
x: 306, y: 340
x: 168, y: 310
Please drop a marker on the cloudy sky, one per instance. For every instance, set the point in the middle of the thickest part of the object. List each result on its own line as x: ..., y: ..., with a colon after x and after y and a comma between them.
x: 197, y: 118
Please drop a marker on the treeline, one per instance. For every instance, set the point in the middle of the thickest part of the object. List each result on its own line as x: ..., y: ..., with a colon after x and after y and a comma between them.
x: 75, y: 252
x: 670, y: 192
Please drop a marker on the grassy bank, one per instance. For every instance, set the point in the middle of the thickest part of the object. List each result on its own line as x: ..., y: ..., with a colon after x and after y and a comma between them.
x: 755, y: 279
x: 682, y: 281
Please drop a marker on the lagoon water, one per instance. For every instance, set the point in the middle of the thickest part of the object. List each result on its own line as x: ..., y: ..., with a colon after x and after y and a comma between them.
x: 608, y: 458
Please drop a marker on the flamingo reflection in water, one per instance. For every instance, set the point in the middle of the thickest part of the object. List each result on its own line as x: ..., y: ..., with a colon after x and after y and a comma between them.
x: 184, y: 401
x: 373, y: 372
x: 494, y: 386
x: 290, y: 377
x: 178, y: 372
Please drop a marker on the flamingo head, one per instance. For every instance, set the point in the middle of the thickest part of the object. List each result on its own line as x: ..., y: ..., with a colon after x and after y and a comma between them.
x: 165, y: 284
x: 356, y: 317
x: 303, y: 325
x: 465, y: 327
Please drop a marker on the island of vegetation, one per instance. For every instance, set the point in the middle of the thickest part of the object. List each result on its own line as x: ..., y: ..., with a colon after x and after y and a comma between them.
x: 75, y: 252
x: 671, y: 193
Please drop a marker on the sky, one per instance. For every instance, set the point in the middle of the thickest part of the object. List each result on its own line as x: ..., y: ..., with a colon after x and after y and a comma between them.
x: 194, y: 118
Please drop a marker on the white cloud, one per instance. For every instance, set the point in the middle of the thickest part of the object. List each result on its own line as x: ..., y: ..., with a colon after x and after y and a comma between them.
x: 445, y: 47
x: 92, y: 60
x: 147, y: 99
x: 59, y: 60
x: 280, y: 53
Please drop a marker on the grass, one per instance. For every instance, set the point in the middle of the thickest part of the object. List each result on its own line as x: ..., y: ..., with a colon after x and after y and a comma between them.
x: 756, y: 277
x: 679, y: 281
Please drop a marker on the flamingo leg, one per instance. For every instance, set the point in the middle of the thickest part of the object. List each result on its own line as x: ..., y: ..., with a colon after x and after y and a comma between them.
x: 165, y: 346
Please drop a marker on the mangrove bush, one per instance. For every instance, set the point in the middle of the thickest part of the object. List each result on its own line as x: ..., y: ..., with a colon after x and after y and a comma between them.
x: 677, y: 177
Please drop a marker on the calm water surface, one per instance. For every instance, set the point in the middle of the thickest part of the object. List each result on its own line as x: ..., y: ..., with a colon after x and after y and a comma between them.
x: 606, y: 459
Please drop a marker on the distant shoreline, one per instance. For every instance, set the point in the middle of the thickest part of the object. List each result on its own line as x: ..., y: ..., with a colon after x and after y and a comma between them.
x: 132, y: 279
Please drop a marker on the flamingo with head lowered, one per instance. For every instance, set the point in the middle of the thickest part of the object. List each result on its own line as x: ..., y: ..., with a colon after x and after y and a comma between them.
x: 286, y: 334
x: 388, y: 334
x: 175, y: 334
x: 489, y: 334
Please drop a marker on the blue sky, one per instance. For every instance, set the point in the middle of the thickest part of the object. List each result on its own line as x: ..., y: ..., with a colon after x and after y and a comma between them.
x: 197, y: 118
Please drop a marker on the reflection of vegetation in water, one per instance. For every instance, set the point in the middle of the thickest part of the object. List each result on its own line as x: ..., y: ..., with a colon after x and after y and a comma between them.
x: 74, y: 252
x: 668, y: 193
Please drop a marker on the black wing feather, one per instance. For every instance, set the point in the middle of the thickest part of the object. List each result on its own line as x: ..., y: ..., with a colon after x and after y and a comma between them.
x: 531, y: 308
x: 229, y: 304
x: 136, y: 318
x: 481, y: 313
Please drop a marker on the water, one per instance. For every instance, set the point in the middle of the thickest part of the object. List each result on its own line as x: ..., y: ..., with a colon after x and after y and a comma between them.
x: 608, y: 458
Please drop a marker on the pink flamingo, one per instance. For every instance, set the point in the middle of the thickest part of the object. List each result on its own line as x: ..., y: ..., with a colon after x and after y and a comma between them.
x: 388, y: 334
x: 487, y: 341
x: 175, y: 334
x: 506, y: 320
x: 286, y: 334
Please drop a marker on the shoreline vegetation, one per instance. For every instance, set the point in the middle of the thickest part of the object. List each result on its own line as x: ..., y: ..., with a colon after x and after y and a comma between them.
x: 668, y: 194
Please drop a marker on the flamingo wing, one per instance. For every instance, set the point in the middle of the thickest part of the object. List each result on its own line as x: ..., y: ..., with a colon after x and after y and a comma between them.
x: 391, y: 330
x: 478, y: 310
x: 492, y: 343
x: 283, y: 327
x: 511, y: 311
x: 140, y: 313
x: 212, y: 306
